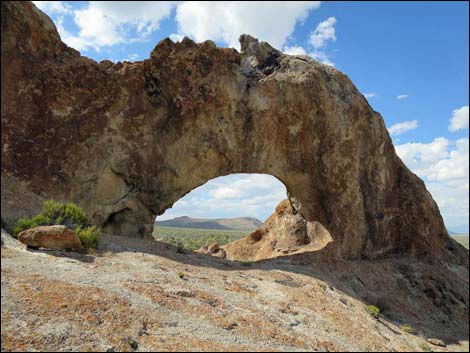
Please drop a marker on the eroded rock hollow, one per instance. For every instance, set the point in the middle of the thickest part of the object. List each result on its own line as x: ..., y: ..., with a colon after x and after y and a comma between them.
x: 127, y: 140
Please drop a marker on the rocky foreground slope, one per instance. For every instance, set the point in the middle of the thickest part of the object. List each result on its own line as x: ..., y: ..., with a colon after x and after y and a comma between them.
x: 131, y: 297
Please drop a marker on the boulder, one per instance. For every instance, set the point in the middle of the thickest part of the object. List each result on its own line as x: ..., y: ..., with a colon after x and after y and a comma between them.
x: 50, y: 237
x: 436, y: 342
x: 284, y: 232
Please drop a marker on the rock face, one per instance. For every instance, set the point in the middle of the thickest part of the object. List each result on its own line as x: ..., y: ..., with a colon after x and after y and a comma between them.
x: 213, y: 249
x: 127, y: 140
x: 284, y: 232
x: 50, y: 237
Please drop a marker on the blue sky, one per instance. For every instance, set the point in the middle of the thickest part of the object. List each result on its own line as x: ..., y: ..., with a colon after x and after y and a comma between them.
x: 410, y: 59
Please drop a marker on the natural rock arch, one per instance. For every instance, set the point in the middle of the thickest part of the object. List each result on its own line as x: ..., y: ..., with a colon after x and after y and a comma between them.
x: 127, y: 140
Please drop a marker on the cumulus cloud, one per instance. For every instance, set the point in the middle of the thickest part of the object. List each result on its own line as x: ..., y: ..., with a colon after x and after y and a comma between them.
x: 369, y: 95
x: 319, y: 38
x: 324, y: 32
x: 237, y: 195
x: 106, y: 23
x: 403, y: 127
x: 294, y: 50
x: 53, y: 7
x: 225, y: 21
x: 459, y: 119
x: 443, y: 165
x: 402, y: 96
x: 175, y: 37
x: 132, y: 57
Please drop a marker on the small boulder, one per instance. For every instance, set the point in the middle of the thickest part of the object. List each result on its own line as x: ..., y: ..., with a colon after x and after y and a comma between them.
x: 436, y: 342
x: 221, y: 254
x: 51, y: 237
x: 212, y: 248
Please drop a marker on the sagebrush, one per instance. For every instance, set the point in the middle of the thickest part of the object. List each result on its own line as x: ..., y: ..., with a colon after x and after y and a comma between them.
x: 57, y: 213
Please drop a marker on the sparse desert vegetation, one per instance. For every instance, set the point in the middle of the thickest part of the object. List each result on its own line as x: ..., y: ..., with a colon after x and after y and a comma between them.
x: 189, y: 239
x: 57, y: 213
x: 462, y: 239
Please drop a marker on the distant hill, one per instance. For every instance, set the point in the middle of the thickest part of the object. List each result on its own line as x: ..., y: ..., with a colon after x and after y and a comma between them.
x: 240, y: 223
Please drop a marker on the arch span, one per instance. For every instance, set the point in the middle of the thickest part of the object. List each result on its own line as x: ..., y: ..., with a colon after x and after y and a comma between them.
x: 126, y: 140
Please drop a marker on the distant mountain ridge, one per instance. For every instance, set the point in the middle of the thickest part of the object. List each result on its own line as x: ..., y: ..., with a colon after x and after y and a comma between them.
x: 239, y: 223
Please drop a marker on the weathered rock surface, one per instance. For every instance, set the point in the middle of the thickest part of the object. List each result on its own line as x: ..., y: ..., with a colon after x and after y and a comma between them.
x: 130, y: 291
x: 284, y: 232
x: 51, y: 237
x: 213, y: 249
x: 127, y: 140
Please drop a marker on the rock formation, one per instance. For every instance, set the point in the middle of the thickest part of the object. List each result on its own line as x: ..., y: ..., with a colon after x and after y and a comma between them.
x: 50, y: 237
x: 127, y: 140
x: 283, y: 233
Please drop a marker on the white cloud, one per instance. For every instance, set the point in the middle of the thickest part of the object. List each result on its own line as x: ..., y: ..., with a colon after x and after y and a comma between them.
x: 237, y: 195
x: 175, y: 37
x: 403, y: 127
x: 459, y: 119
x: 319, y: 38
x: 107, y: 23
x: 420, y: 156
x: 321, y: 56
x: 53, y: 7
x: 225, y: 21
x: 369, y: 95
x: 294, y: 50
x: 132, y: 57
x: 444, y: 167
x: 324, y: 32
x: 402, y: 96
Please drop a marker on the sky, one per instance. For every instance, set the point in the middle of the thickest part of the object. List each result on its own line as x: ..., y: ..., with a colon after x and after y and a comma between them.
x: 409, y: 59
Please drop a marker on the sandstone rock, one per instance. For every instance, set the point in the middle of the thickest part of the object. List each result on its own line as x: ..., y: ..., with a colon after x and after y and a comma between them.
x: 127, y: 140
x: 50, y: 237
x: 284, y: 232
x: 214, y: 250
x: 436, y: 342
x: 220, y: 254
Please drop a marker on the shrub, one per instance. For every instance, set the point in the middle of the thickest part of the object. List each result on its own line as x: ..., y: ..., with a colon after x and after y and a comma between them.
x: 407, y: 328
x: 425, y: 347
x: 67, y: 214
x: 181, y: 275
x: 88, y: 236
x: 373, y: 311
x: 26, y: 223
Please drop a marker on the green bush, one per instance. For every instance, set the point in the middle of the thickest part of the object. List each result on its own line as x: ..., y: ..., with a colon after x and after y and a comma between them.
x: 373, y: 311
x: 26, y: 223
x: 407, y: 328
x: 67, y: 214
x: 88, y: 236
x: 425, y: 347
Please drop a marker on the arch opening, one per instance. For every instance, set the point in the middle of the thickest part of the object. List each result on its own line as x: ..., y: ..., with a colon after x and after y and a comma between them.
x: 241, y: 216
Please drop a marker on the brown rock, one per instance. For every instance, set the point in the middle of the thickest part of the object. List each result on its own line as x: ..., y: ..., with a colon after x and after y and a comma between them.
x: 221, y: 254
x: 50, y: 237
x: 127, y: 140
x: 284, y: 232
x: 212, y: 248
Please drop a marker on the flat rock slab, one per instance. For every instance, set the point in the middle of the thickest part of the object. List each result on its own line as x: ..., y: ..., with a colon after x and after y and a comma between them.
x: 51, y: 237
